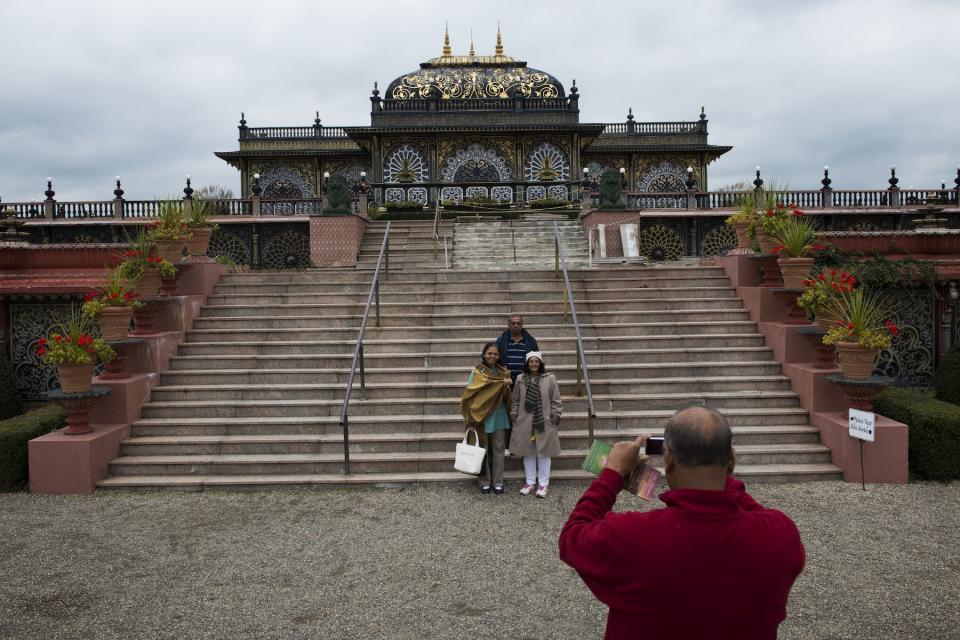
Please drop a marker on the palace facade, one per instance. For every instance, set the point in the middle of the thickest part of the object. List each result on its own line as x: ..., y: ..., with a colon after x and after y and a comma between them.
x: 473, y: 126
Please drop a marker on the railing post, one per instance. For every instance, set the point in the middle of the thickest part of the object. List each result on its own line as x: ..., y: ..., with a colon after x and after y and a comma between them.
x: 556, y: 257
x: 566, y: 303
x: 362, y: 203
x: 363, y: 377
x: 590, y: 425
x: 346, y: 445
x: 255, y: 205
x: 580, y: 374
x: 386, y: 261
x: 376, y: 293
x: 691, y: 198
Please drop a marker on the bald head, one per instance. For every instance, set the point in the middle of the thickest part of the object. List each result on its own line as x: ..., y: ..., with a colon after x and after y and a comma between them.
x: 699, y: 437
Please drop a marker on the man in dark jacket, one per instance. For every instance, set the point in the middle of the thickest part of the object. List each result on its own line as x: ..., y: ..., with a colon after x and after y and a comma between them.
x: 713, y: 564
x: 514, y: 344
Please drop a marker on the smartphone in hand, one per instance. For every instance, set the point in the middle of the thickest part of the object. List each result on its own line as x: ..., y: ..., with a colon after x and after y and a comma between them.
x: 654, y: 446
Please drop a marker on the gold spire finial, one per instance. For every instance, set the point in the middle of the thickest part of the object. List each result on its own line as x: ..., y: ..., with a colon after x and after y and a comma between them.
x: 446, y: 40
x: 499, y: 50
x: 472, y: 52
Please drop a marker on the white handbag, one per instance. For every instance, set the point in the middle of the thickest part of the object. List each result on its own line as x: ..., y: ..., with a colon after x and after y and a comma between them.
x: 469, y: 457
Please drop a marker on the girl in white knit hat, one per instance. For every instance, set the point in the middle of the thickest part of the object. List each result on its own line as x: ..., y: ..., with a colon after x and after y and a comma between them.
x: 535, y: 412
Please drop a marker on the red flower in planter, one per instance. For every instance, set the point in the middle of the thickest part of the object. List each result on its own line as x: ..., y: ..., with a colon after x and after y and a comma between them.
x: 42, y: 342
x: 41, y: 352
x: 894, y: 330
x: 822, y: 278
x: 797, y: 213
x: 57, y: 337
x: 90, y: 296
x: 777, y: 249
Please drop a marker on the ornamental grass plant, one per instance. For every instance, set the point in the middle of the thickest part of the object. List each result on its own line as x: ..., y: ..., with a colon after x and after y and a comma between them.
x: 795, y: 235
x: 171, y: 224
x: 863, y: 318
x: 201, y: 210
x: 117, y: 292
x: 72, y: 341
x: 135, y: 261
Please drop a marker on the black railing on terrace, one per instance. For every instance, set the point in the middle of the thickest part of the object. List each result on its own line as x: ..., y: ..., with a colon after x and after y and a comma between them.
x: 272, y: 133
x: 476, y: 104
x: 518, y: 192
x: 647, y: 128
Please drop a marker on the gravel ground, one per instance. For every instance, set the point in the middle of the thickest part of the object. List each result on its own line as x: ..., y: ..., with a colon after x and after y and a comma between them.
x: 430, y: 562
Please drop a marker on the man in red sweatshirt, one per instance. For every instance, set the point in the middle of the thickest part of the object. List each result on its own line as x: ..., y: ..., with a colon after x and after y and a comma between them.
x: 713, y: 564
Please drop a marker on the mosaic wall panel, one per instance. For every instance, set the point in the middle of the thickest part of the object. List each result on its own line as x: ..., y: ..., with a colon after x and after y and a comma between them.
x: 349, y: 171
x: 233, y: 241
x: 406, y: 163
x: 536, y: 192
x: 911, y: 358
x: 284, y: 246
x: 718, y: 241
x: 451, y: 193
x: 502, y: 194
x: 417, y: 194
x: 546, y: 162
x: 660, y: 243
x: 284, y: 180
x: 477, y: 192
x: 289, y: 208
x: 558, y: 191
x: 665, y: 174
x: 476, y: 163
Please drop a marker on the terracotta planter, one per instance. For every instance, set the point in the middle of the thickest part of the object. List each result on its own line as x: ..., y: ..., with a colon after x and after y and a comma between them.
x: 168, y: 287
x: 794, y: 271
x: 75, y: 378
x: 171, y: 250
x: 743, y: 237
x: 856, y: 362
x: 115, y: 322
x: 198, y: 244
x: 766, y: 242
x: 149, y: 284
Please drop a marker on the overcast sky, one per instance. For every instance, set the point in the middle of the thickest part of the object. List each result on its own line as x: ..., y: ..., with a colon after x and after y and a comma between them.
x: 149, y: 90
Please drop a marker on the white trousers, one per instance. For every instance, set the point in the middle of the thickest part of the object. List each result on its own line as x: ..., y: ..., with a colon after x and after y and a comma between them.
x: 534, y: 464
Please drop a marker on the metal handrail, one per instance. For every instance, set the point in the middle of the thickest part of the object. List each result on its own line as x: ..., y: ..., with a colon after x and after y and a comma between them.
x: 372, y: 298
x: 436, y: 224
x: 582, y: 369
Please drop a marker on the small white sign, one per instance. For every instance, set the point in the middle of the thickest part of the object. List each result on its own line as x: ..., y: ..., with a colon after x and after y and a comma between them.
x: 862, y: 424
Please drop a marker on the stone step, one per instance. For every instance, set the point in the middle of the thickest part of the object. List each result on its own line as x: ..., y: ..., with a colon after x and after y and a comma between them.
x: 235, y: 375
x: 429, y: 347
x: 792, y: 439
x: 697, y: 386
x: 208, y: 408
x: 606, y: 275
x: 495, y: 319
x: 545, y: 294
x: 749, y: 473
x: 457, y: 364
x: 620, y: 420
x: 284, y: 305
x: 397, y: 462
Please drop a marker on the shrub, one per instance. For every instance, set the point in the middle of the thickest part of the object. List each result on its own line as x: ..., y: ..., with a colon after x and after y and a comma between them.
x: 15, y: 433
x: 947, y: 379
x: 934, y: 431
x: 9, y: 390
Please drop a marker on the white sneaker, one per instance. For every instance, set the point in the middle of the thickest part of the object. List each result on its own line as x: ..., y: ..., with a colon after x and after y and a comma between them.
x: 526, y: 489
x: 506, y: 453
x: 542, y: 491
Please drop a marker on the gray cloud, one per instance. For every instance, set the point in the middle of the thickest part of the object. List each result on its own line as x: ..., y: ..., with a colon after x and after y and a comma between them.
x: 150, y: 90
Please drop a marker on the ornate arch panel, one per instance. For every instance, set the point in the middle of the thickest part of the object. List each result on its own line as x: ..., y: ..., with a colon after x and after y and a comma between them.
x: 406, y: 163
x: 665, y: 174
x: 476, y: 163
x: 546, y: 162
x: 285, y: 182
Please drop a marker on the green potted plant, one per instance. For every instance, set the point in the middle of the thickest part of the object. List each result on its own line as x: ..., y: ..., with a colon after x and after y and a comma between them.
x: 198, y: 221
x: 819, y: 292
x: 744, y: 219
x: 862, y: 329
x: 795, y: 236
x: 140, y: 266
x: 74, y: 351
x: 113, y: 305
x: 170, y: 231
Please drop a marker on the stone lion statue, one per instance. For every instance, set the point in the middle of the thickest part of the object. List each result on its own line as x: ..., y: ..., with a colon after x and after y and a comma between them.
x: 338, y: 193
x: 610, y: 188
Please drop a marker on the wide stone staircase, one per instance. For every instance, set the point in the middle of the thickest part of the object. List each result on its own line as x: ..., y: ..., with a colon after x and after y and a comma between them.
x: 528, y: 243
x: 254, y: 395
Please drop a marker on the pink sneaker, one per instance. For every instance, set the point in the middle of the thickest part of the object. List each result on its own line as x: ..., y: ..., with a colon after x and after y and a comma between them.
x: 542, y: 491
x: 526, y: 489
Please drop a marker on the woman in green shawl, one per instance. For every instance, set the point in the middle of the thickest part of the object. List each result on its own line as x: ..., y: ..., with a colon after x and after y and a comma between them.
x: 484, y: 404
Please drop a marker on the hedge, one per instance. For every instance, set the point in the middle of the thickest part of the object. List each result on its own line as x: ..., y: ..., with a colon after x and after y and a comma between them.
x: 9, y: 390
x: 14, y: 435
x: 934, y: 431
x: 947, y: 380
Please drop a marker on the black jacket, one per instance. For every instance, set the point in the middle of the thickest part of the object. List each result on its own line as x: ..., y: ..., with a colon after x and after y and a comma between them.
x: 528, y: 340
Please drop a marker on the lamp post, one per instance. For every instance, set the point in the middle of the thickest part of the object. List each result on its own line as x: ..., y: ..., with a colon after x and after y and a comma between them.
x: 362, y: 194
x: 826, y: 190
x: 758, y: 182
x: 118, y: 200
x: 691, y: 185
x: 188, y: 190
x: 48, y: 204
x: 255, y: 191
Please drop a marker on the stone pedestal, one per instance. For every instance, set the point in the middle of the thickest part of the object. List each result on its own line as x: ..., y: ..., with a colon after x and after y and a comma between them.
x: 116, y: 369
x: 795, y: 313
x: 769, y: 269
x: 77, y: 406
x: 860, y: 393
x: 826, y: 354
